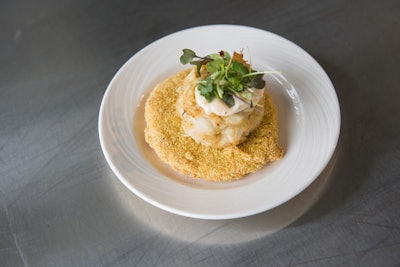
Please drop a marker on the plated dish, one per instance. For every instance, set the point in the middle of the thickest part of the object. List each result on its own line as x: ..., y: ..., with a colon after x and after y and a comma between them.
x: 308, y: 115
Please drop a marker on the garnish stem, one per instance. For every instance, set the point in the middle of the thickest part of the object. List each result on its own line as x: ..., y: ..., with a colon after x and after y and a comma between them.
x: 261, y: 72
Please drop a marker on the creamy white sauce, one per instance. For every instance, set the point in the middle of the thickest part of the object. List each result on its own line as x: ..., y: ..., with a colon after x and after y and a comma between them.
x: 218, y: 107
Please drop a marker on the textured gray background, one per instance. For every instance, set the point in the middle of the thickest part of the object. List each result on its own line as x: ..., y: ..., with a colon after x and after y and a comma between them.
x: 62, y: 206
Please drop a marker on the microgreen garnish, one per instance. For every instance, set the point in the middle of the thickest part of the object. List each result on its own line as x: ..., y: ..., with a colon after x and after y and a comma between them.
x: 224, y: 76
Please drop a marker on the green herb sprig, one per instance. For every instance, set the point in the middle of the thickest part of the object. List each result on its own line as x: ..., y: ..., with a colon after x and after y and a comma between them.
x: 224, y: 77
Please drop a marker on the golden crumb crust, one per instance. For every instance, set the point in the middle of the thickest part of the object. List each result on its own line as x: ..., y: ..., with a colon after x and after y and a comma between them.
x: 164, y: 134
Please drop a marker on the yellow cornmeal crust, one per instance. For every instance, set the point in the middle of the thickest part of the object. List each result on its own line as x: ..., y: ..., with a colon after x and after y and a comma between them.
x: 164, y: 134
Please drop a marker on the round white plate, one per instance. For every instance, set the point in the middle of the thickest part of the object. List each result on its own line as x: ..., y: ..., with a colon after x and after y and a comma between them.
x: 308, y: 114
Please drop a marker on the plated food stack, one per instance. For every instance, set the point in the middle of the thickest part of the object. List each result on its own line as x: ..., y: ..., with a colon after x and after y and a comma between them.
x: 214, y: 121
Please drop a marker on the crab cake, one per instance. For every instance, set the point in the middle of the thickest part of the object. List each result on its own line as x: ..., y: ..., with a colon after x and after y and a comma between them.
x: 164, y: 132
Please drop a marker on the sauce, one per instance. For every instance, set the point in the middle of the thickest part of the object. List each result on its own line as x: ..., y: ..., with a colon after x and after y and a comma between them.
x: 218, y: 107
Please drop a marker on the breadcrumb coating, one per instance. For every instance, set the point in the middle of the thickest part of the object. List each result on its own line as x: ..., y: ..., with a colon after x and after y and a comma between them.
x: 164, y: 134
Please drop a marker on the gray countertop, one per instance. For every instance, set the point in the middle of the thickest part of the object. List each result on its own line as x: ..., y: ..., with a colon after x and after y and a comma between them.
x: 61, y: 205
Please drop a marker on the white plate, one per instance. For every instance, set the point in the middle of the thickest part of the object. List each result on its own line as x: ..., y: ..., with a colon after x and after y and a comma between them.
x: 308, y: 113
